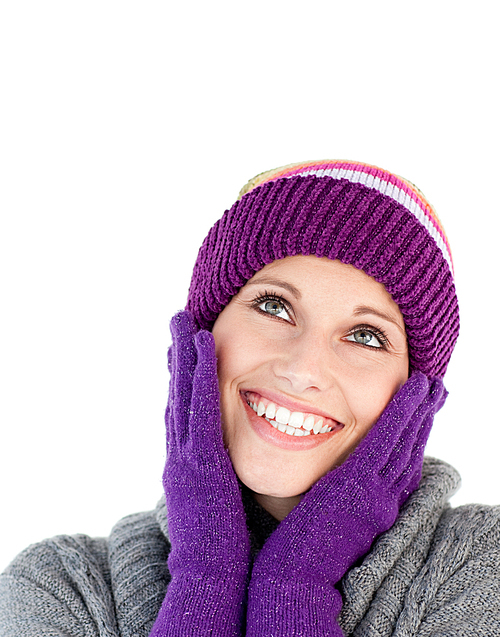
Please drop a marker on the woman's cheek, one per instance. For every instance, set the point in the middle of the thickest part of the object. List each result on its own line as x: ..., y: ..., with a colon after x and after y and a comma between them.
x: 242, y: 352
x: 375, y: 376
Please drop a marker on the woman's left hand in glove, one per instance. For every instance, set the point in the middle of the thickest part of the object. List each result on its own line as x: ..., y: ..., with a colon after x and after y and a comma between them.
x: 292, y: 589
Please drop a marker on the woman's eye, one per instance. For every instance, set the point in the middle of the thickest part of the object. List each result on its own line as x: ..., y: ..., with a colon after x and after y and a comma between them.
x: 365, y: 337
x: 275, y: 308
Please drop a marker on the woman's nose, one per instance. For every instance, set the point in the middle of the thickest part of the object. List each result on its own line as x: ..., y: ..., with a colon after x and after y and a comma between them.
x: 306, y: 363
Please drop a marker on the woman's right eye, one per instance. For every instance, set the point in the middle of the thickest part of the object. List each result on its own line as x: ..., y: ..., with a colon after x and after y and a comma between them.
x: 274, y: 307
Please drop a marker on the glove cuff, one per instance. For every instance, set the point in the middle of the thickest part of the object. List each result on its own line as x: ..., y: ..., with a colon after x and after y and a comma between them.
x: 198, y: 606
x: 283, y: 607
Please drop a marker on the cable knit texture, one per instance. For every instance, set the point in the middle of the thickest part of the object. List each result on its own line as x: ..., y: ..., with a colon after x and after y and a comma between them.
x: 324, y: 212
x: 434, y: 572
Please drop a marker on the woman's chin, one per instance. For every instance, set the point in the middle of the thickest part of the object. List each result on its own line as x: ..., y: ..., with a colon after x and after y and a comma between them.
x: 276, y: 473
x: 278, y: 487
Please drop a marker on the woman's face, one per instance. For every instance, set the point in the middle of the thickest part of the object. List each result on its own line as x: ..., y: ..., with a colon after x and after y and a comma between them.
x: 312, y: 343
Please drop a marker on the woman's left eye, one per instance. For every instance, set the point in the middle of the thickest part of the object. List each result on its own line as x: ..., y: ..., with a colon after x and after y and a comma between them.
x: 367, y: 337
x: 274, y: 307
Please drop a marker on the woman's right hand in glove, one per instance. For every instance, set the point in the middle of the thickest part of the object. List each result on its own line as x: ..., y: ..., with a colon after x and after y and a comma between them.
x: 210, y: 548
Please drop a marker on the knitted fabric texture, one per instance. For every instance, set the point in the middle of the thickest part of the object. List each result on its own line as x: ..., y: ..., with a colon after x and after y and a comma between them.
x: 210, y: 555
x: 359, y: 214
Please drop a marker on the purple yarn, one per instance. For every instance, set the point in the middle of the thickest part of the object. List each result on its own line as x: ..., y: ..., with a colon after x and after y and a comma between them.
x: 209, y: 558
x: 338, y: 219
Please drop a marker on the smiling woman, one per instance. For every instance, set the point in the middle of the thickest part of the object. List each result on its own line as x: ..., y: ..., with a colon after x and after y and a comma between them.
x: 306, y: 372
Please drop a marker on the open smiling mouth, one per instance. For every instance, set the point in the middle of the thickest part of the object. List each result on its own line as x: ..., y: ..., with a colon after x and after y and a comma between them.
x: 293, y: 423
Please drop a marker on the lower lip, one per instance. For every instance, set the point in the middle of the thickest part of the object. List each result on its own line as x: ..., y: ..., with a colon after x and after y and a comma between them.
x: 275, y: 437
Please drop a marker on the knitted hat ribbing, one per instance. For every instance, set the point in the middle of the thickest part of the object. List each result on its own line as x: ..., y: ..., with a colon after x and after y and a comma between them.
x: 359, y: 214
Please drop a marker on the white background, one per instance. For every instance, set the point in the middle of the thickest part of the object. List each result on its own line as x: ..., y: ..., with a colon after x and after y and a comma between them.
x: 126, y: 129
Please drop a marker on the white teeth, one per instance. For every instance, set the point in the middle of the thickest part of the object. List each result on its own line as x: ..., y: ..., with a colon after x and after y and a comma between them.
x: 272, y: 422
x: 317, y: 426
x: 271, y: 410
x: 296, y: 419
x: 282, y: 415
x: 308, y: 423
x: 292, y: 423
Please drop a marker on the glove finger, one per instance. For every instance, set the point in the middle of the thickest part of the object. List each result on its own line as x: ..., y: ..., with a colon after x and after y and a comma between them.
x: 409, y: 480
x: 408, y: 452
x: 170, y: 400
x: 182, y: 327
x: 183, y: 363
x: 430, y: 406
x: 170, y: 356
x: 205, y: 428
x: 204, y: 343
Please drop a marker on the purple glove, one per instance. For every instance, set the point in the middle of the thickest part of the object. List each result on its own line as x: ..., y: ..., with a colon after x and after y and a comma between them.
x: 210, y: 554
x: 292, y: 588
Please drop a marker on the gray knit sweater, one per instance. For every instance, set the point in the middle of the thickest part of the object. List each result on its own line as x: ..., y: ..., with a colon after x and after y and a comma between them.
x: 435, y: 572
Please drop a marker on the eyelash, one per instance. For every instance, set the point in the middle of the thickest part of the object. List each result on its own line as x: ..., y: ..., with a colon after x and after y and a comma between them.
x: 266, y: 296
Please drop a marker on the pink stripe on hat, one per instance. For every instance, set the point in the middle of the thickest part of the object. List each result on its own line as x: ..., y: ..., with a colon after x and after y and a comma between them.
x: 401, y: 190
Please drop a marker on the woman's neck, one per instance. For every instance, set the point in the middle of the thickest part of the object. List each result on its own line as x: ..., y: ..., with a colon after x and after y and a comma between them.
x: 279, y: 508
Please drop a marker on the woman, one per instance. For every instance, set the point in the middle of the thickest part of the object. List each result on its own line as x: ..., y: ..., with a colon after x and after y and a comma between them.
x: 305, y: 374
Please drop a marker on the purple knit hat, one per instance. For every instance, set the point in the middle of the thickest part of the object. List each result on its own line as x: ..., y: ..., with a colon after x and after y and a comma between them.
x: 353, y: 212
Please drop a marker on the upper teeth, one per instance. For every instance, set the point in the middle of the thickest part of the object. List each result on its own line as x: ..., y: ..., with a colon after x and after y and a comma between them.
x: 293, y: 423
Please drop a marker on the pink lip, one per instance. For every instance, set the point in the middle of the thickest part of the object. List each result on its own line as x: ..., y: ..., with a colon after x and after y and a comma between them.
x: 275, y: 437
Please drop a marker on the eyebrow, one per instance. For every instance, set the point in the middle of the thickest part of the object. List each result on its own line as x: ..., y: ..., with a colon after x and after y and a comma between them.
x: 366, y: 309
x: 282, y: 284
